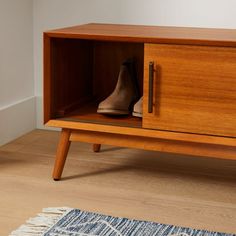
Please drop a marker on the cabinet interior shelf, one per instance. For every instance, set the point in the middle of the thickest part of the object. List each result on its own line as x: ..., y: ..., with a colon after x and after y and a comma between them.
x: 88, y: 113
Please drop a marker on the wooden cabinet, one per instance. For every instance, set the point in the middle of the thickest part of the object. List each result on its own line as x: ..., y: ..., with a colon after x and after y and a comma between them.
x: 187, y: 77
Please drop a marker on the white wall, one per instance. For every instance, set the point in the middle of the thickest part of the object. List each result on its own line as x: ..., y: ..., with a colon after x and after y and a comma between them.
x: 17, y: 106
x: 49, y: 14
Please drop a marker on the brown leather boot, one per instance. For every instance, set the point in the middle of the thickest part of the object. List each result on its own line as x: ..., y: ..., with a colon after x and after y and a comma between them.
x: 125, y: 93
x: 138, y: 108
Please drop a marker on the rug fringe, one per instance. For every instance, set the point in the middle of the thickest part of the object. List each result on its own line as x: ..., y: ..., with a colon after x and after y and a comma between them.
x: 42, y: 222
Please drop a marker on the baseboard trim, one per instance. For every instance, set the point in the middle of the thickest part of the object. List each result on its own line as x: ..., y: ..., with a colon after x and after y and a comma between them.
x: 17, y: 119
x: 39, y: 120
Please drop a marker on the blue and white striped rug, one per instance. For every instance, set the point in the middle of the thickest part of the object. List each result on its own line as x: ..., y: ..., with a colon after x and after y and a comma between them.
x: 74, y: 222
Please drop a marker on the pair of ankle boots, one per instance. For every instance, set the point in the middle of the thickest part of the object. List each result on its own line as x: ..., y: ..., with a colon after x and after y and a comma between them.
x: 125, y: 97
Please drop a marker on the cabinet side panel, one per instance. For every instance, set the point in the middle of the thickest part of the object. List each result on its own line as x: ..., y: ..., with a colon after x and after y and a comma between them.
x: 47, y: 78
x: 71, y: 79
x: 194, y: 89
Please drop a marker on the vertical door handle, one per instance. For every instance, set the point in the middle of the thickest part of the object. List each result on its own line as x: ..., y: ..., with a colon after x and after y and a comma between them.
x: 150, y: 89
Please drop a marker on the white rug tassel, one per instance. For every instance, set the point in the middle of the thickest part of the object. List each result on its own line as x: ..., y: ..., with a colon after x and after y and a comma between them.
x: 42, y: 222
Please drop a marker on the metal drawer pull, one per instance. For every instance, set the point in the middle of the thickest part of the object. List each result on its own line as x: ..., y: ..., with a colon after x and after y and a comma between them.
x: 150, y: 92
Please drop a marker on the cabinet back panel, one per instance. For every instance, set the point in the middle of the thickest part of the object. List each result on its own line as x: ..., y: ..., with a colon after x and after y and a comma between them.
x: 108, y: 57
x: 194, y: 89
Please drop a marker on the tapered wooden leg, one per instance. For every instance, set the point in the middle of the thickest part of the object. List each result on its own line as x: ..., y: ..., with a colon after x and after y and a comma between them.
x: 96, y: 147
x: 62, y: 150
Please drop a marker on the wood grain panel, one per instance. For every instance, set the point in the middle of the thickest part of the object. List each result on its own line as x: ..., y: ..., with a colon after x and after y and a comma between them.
x: 47, y: 106
x: 155, y: 144
x: 194, y: 89
x: 149, y: 34
x: 71, y: 74
x: 195, y: 138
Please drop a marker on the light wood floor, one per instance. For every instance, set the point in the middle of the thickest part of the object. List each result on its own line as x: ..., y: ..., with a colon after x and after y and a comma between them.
x: 173, y: 189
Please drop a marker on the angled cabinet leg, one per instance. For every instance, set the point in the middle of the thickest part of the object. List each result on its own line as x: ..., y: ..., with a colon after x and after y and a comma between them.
x: 96, y: 147
x: 62, y: 151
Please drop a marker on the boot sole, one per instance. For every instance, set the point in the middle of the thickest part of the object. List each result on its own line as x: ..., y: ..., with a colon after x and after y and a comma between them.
x: 137, y: 114
x: 112, y: 112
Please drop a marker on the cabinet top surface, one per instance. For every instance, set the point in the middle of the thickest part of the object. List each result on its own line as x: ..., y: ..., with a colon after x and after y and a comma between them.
x: 149, y: 34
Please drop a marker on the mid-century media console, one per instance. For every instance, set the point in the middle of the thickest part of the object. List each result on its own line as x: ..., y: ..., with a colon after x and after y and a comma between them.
x: 187, y: 77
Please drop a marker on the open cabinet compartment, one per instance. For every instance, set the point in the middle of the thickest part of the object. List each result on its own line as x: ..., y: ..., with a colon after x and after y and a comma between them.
x: 85, y: 72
